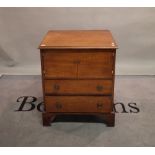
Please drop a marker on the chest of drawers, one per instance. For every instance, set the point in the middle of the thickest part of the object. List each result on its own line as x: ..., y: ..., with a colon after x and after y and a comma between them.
x: 78, y: 71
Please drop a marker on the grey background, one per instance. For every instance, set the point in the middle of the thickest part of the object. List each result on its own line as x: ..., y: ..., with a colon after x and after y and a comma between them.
x: 22, y: 29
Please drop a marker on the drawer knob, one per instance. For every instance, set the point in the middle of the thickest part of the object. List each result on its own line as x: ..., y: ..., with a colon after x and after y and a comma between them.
x: 58, y: 105
x: 99, y: 88
x: 56, y: 87
x: 99, y: 105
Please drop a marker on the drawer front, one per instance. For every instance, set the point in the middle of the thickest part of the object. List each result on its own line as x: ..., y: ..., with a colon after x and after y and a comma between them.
x: 75, y: 65
x: 84, y: 87
x: 78, y: 104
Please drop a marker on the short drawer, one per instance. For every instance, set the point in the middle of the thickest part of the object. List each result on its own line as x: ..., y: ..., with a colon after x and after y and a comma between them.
x: 78, y: 104
x: 83, y: 87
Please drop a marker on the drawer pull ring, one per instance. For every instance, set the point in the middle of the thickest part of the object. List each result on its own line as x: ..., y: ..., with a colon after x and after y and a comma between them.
x: 58, y: 105
x: 99, y: 87
x: 99, y: 105
x: 56, y: 87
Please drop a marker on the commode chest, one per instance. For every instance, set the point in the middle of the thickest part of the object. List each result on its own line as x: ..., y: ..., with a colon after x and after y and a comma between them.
x: 78, y: 71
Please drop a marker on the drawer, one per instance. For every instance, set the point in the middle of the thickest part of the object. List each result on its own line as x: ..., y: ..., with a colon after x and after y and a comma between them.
x: 84, y: 65
x: 83, y: 87
x: 78, y: 104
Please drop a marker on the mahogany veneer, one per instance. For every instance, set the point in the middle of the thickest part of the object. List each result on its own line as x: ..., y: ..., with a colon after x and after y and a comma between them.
x: 78, y: 71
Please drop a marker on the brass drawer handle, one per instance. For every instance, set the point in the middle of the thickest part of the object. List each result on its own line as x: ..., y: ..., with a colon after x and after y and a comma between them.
x: 56, y: 87
x: 99, y: 88
x: 99, y: 105
x: 58, y: 105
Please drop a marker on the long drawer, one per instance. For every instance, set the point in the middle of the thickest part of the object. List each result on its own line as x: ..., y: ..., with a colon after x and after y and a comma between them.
x: 78, y: 104
x: 74, y: 87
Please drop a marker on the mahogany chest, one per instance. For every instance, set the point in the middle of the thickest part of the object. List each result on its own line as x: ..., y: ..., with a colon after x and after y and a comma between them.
x: 78, y: 71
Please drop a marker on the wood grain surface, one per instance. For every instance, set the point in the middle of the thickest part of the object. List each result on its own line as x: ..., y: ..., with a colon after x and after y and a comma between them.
x: 78, y: 87
x: 78, y: 104
x: 78, y: 65
x: 78, y: 39
x: 78, y: 71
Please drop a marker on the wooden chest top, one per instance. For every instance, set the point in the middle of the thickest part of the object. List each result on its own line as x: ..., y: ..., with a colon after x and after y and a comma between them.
x: 76, y: 39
